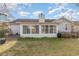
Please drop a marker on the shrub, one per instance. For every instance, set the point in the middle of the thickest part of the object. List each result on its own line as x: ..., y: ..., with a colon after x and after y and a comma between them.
x: 2, y: 33
x: 59, y: 35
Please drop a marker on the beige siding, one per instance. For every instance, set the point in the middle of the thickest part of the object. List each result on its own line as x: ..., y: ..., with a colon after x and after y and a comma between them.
x: 76, y: 28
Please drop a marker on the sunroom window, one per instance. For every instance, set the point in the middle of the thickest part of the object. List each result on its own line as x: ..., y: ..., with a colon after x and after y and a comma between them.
x: 35, y: 29
x: 52, y: 29
x: 48, y: 29
x: 45, y: 29
x: 26, y: 29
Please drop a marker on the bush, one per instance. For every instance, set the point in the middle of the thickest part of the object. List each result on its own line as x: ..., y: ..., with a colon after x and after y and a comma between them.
x: 16, y: 34
x: 2, y: 33
x: 59, y: 35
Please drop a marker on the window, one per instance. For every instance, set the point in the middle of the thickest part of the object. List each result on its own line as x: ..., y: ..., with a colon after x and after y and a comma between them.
x: 66, y: 28
x: 52, y: 29
x: 48, y: 29
x: 44, y: 28
x: 35, y: 29
x: 26, y: 29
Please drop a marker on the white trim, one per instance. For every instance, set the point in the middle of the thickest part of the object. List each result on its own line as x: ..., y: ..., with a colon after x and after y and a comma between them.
x: 21, y: 29
x: 39, y: 35
x: 40, y: 29
x: 48, y: 28
x: 30, y: 29
x: 57, y: 29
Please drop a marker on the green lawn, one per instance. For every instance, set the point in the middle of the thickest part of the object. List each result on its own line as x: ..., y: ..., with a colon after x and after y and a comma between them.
x: 44, y: 47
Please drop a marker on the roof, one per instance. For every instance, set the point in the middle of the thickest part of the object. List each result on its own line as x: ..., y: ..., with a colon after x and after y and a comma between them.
x: 65, y: 18
x: 37, y: 20
x: 31, y: 20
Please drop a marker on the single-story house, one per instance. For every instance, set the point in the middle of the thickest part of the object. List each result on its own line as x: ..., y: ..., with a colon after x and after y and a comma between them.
x: 42, y: 27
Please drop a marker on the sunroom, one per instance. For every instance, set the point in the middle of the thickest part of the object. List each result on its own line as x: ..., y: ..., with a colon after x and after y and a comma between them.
x: 40, y: 30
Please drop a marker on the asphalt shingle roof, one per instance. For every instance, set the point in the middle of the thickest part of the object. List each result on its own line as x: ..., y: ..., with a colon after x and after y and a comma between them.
x: 37, y: 20
x: 31, y: 20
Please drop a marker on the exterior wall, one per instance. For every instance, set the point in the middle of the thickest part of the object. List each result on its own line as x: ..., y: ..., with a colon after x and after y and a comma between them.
x: 15, y: 29
x: 37, y: 35
x: 61, y: 26
x: 76, y: 28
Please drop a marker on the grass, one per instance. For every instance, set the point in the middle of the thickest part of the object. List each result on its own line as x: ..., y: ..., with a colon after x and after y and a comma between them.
x: 44, y: 47
x: 6, y: 46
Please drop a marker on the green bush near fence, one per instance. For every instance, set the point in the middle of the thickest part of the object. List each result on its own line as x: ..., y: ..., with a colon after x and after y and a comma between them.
x: 2, y: 33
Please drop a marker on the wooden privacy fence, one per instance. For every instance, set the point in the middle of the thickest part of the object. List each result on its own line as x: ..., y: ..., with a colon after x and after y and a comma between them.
x: 68, y: 35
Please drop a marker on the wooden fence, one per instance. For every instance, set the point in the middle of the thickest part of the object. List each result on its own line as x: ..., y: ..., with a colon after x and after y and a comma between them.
x: 70, y: 34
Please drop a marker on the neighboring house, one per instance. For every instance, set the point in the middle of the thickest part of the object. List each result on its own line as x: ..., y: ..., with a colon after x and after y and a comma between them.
x: 4, y: 21
x: 4, y: 25
x: 43, y: 27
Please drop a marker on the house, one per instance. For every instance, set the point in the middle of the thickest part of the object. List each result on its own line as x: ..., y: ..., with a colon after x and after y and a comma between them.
x: 4, y: 21
x: 43, y: 27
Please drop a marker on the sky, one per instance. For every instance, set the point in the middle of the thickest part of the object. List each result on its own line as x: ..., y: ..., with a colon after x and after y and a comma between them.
x: 51, y: 10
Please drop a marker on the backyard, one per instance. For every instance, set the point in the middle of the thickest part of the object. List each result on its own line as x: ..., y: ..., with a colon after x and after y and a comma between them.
x: 42, y: 47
